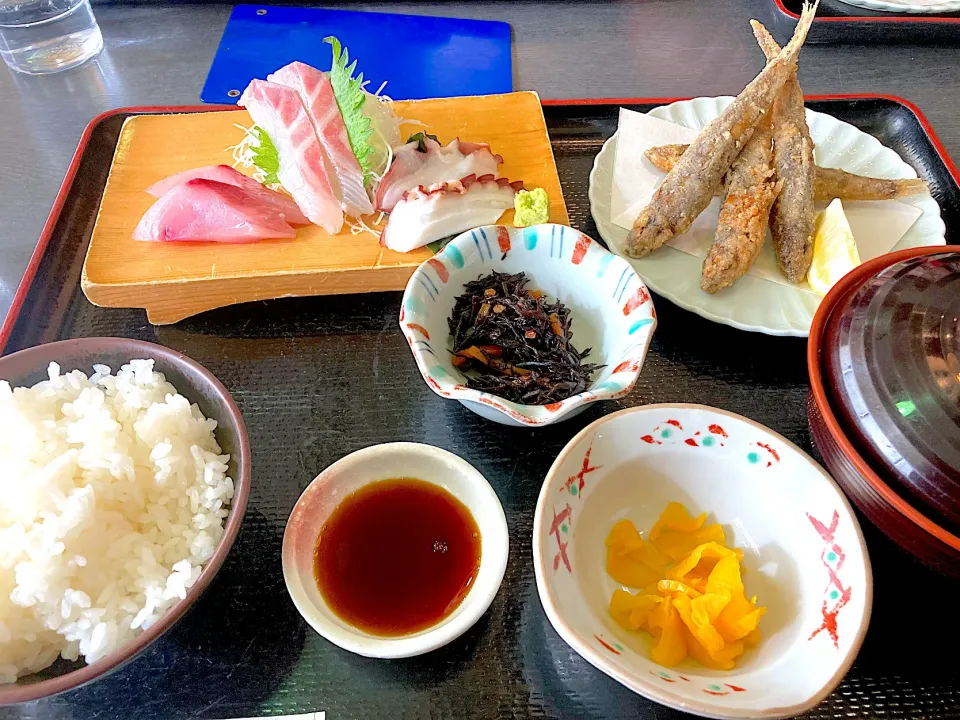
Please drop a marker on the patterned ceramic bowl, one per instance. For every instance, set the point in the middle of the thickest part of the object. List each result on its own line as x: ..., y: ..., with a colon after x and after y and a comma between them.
x: 804, y: 554
x: 610, y: 307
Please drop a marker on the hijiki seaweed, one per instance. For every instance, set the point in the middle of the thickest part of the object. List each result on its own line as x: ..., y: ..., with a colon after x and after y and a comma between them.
x: 511, y: 342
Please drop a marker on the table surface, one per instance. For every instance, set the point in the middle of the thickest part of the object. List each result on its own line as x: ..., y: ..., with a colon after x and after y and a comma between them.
x: 159, y: 55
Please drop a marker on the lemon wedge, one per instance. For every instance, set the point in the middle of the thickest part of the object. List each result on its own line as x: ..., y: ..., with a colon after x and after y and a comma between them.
x: 834, y: 249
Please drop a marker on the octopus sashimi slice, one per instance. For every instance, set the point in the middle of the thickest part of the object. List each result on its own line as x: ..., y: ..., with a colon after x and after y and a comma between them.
x: 279, y: 111
x: 412, y: 168
x: 226, y: 174
x: 426, y: 214
x: 206, y: 210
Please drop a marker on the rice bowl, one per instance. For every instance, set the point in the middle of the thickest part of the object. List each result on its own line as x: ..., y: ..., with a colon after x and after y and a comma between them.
x: 113, y: 498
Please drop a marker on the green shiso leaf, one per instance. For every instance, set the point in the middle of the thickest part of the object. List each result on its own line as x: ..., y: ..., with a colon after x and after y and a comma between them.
x: 265, y: 156
x: 350, y: 96
x: 438, y: 245
x: 420, y: 139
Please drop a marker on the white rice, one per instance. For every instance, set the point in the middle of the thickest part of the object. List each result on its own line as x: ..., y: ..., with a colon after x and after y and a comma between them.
x: 113, y: 494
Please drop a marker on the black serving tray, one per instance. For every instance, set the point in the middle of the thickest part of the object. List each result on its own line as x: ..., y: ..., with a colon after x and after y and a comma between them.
x: 317, y: 378
x: 838, y: 22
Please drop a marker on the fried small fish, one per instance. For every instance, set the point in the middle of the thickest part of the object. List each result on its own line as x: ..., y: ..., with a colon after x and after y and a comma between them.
x: 664, y: 157
x: 751, y: 189
x: 793, y: 216
x: 828, y: 183
x: 688, y: 188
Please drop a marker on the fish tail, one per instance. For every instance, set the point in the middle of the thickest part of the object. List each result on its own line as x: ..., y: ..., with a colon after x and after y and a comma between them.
x: 792, y: 49
x: 914, y: 186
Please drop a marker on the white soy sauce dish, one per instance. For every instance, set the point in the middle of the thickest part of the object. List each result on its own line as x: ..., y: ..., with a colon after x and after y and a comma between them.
x: 361, y: 474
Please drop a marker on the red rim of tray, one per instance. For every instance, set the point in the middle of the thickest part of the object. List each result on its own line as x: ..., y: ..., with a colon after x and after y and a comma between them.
x: 31, y: 270
x: 846, y: 285
x: 864, y: 18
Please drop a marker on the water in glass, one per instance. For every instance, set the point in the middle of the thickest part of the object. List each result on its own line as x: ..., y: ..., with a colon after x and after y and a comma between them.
x: 43, y: 36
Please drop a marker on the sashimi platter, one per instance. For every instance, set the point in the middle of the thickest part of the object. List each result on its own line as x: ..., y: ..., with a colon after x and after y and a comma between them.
x: 314, y: 187
x: 681, y: 549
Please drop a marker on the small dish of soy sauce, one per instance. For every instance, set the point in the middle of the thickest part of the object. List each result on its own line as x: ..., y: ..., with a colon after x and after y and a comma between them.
x: 395, y: 550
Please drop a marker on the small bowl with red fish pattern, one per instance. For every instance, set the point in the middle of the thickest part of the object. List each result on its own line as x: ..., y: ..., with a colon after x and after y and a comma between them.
x: 803, y: 554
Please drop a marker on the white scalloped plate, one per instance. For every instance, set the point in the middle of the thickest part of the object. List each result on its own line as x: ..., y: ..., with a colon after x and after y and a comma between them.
x: 924, y: 7
x: 755, y: 304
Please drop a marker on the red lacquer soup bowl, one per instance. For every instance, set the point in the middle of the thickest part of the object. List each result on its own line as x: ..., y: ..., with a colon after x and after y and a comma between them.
x: 884, y: 409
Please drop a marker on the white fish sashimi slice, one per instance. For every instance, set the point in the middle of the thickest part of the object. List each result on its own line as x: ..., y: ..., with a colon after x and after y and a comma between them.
x: 279, y: 111
x: 207, y: 210
x: 226, y: 174
x: 342, y: 167
x: 411, y: 168
x: 425, y: 215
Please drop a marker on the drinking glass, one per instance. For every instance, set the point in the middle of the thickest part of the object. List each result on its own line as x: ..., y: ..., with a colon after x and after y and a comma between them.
x: 45, y: 36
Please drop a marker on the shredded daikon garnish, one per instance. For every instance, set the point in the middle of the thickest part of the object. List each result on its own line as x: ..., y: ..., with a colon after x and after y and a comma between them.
x: 242, y: 152
x: 361, y: 226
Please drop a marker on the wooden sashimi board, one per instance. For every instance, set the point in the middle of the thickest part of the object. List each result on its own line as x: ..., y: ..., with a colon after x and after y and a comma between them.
x: 176, y: 280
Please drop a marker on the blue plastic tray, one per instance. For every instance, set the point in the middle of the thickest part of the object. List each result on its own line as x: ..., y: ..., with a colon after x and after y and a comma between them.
x: 419, y: 56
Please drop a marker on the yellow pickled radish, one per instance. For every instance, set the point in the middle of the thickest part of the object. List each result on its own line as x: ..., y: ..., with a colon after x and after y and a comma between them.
x: 692, y: 600
x: 676, y: 517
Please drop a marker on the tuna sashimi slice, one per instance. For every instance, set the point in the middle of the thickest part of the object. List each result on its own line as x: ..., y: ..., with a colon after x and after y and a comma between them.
x: 279, y: 111
x: 428, y: 214
x: 412, y: 168
x: 207, y: 210
x: 342, y: 167
x: 226, y: 174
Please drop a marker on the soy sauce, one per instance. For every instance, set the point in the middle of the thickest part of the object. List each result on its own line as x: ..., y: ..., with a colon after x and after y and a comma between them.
x: 397, y: 556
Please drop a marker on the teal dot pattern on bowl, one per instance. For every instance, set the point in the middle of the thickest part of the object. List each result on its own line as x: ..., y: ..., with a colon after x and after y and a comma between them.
x: 675, y: 677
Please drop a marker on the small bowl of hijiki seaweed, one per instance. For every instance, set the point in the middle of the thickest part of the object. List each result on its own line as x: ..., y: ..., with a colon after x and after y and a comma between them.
x: 527, y: 326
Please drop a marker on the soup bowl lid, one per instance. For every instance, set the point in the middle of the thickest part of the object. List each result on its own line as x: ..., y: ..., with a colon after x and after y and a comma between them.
x: 892, y: 359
